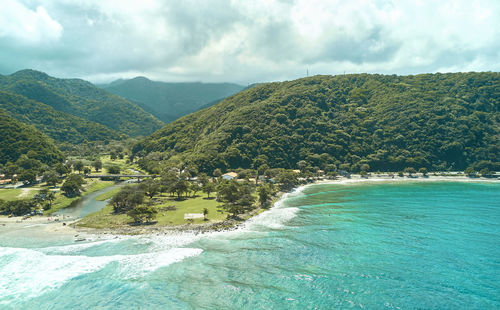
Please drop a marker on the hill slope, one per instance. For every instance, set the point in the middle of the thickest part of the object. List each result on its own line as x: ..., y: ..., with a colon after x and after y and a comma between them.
x: 169, y: 101
x: 82, y: 99
x: 438, y: 121
x: 60, y: 126
x: 17, y: 139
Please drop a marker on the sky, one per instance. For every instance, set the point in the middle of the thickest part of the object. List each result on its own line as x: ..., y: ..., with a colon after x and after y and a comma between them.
x: 247, y: 41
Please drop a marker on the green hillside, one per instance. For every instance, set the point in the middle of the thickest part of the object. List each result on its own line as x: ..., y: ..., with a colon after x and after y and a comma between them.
x: 169, y: 101
x: 18, y: 139
x: 82, y: 99
x: 60, y: 126
x: 437, y: 121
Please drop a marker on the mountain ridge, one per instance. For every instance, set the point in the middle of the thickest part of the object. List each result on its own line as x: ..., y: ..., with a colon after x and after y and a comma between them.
x: 389, y: 122
x: 169, y: 100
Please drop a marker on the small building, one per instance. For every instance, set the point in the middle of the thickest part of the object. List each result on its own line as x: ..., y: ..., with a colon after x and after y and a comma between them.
x: 296, y: 170
x: 230, y: 176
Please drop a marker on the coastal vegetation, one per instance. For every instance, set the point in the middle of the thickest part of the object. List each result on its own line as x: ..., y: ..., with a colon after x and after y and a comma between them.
x: 388, y: 122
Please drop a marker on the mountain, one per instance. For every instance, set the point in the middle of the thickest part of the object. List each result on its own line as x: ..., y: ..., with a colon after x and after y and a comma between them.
x: 60, y: 126
x: 169, y: 101
x: 82, y: 99
x: 17, y: 138
x: 437, y: 121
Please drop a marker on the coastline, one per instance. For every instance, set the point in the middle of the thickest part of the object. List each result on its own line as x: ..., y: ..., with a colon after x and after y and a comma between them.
x: 69, y: 226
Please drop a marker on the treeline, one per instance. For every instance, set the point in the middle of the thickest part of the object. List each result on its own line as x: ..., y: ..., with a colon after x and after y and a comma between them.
x: 25, y: 145
x: 387, y: 122
x: 237, y: 197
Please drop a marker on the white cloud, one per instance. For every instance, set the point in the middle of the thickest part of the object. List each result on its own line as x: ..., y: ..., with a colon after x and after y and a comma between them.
x: 29, y: 26
x: 249, y: 41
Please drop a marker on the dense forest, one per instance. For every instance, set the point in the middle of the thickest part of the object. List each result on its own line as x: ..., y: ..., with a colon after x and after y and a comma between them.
x: 81, y: 99
x: 169, y: 101
x: 18, y: 140
x: 60, y: 126
x: 388, y: 122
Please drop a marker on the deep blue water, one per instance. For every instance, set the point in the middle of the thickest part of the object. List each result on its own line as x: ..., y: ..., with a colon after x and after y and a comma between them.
x: 421, y: 245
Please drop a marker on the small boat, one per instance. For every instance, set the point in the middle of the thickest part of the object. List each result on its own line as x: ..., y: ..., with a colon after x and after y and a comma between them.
x: 80, y: 239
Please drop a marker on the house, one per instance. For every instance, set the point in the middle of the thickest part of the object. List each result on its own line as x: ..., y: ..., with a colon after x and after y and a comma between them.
x: 230, y: 176
x: 6, y: 181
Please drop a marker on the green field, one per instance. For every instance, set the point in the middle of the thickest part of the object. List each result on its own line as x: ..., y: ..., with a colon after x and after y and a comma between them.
x: 10, y: 194
x: 106, y: 219
x: 108, y: 195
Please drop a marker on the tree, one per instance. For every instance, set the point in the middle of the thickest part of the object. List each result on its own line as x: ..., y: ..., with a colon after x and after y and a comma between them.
x: 217, y: 173
x: 97, y: 164
x: 205, y: 213
x: 113, y: 169
x: 302, y: 165
x: 17, y: 207
x: 410, y: 171
x: 78, y: 166
x: 470, y: 172
x: 365, y: 167
x: 27, y: 177
x: 485, y: 172
x: 237, y: 197
x: 72, y: 185
x: 44, y: 198
x: 142, y: 213
x: 150, y: 187
x: 265, y: 192
x: 263, y: 169
x: 203, y: 179
x: 127, y: 198
x: 51, y: 178
x: 86, y: 170
x: 180, y: 187
x: 423, y: 171
x: 61, y: 169
x: 167, y: 181
x: 287, y: 179
x: 208, y: 188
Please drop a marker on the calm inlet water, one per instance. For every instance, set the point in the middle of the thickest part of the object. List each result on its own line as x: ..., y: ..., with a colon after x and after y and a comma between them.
x: 422, y: 245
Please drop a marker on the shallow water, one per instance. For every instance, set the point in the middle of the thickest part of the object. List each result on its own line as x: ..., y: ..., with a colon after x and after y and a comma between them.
x: 422, y: 245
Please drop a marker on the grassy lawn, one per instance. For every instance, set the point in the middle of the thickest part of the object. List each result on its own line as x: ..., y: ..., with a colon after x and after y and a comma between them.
x: 106, y: 219
x: 10, y: 194
x: 108, y: 195
x: 92, y: 185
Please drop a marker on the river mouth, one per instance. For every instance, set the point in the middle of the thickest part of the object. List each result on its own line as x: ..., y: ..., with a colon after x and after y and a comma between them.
x: 86, y: 205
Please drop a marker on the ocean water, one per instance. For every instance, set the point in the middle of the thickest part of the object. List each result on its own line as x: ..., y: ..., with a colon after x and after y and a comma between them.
x: 420, y: 245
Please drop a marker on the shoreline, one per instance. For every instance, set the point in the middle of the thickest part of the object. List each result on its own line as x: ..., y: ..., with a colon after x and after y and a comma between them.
x: 68, y: 226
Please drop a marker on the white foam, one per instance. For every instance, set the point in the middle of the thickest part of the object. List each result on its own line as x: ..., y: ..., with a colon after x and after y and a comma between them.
x: 32, y: 272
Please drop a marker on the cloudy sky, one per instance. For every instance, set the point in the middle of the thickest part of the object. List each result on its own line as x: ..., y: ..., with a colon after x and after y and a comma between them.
x: 247, y: 41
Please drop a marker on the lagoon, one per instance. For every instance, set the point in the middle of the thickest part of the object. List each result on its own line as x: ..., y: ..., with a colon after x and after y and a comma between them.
x: 371, y: 245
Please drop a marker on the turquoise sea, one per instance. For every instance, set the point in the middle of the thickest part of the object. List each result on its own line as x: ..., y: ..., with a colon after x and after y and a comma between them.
x: 375, y: 245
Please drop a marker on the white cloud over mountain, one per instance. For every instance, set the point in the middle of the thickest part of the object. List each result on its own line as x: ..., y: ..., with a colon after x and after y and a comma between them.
x: 247, y: 41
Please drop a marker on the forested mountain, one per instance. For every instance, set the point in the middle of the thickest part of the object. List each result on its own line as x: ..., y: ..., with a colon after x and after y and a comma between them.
x: 18, y: 139
x: 437, y: 121
x: 82, y: 99
x: 60, y: 126
x: 169, y: 101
